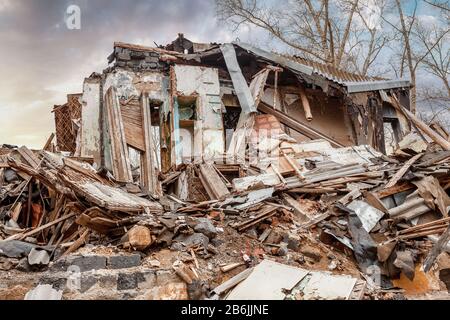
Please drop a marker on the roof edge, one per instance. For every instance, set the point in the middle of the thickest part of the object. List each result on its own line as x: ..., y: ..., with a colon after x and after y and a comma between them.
x: 276, y: 58
x: 355, y: 87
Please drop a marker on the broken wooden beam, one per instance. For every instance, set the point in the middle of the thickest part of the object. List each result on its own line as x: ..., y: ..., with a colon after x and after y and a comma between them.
x: 305, y: 104
x: 400, y: 173
x: 297, y: 126
x: 436, y: 250
x: 214, y: 185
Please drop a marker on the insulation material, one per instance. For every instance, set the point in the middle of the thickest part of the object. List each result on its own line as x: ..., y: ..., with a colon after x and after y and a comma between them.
x: 258, y: 286
x: 326, y: 286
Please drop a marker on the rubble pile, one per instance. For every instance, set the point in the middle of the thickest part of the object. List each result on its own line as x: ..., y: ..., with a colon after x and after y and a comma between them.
x: 224, y: 171
x: 350, y: 218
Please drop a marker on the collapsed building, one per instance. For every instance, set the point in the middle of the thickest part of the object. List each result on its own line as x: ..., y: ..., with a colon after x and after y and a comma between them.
x: 285, y: 151
x: 173, y: 107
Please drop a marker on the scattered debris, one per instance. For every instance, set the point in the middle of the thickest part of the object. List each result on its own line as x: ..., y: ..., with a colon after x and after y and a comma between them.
x: 200, y: 173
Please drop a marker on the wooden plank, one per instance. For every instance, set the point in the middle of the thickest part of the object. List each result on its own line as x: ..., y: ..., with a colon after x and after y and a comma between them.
x: 352, y: 195
x: 305, y: 103
x: 374, y: 201
x: 15, y: 211
x: 49, y: 141
x: 399, y: 174
x: 421, y: 233
x: 149, y: 175
x: 425, y: 225
x: 401, y: 187
x: 78, y: 243
x: 298, y: 210
x: 29, y: 157
x: 442, y: 155
x: 227, y: 285
x: 316, y: 220
x: 133, y: 124
x: 422, y: 125
x: 297, y: 126
x: 212, y: 182
x: 436, y: 250
x: 439, y: 129
x: 267, y: 212
x: 119, y: 149
x: 294, y: 166
x: 39, y: 229
x: 86, y: 221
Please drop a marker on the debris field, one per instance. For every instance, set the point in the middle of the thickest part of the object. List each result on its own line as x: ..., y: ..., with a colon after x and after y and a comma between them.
x: 207, y: 171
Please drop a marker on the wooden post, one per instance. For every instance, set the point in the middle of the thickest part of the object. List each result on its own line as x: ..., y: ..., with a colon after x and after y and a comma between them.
x: 305, y: 103
x: 422, y: 126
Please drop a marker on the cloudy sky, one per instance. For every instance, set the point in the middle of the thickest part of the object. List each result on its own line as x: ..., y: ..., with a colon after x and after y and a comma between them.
x: 41, y: 60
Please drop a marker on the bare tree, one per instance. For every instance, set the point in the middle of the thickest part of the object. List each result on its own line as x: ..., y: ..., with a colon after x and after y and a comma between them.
x: 417, y: 48
x: 405, y: 29
x: 434, y: 103
x: 443, y: 5
x: 352, y: 34
x: 437, y: 62
x: 334, y: 32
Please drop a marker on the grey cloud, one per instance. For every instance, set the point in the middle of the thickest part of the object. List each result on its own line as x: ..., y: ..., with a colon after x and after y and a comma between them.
x: 42, y: 61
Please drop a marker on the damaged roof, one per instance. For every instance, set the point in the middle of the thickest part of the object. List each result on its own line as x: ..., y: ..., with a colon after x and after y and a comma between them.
x: 353, y: 82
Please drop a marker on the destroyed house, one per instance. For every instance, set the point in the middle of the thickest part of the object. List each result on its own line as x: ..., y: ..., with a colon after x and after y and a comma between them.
x: 224, y: 165
x: 156, y: 108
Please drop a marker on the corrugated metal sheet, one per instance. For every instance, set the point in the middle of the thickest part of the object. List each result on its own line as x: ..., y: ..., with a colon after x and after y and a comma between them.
x: 353, y: 82
x: 330, y: 72
x: 354, y: 87
x: 284, y: 61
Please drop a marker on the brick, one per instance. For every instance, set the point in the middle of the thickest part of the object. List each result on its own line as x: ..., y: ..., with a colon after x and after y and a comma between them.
x: 148, y: 280
x: 124, y: 261
x: 87, y: 282
x: 127, y: 281
x: 58, y: 283
x: 152, y: 59
x: 123, y: 56
x: 85, y: 263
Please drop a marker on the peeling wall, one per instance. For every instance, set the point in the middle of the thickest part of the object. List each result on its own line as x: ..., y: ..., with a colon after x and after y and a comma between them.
x: 130, y: 85
x: 203, y: 83
x: 90, y: 123
x: 329, y: 115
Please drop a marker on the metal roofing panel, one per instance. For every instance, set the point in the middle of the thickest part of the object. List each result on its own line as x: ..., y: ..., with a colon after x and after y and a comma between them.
x: 288, y: 63
x: 354, y: 87
x: 239, y: 83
